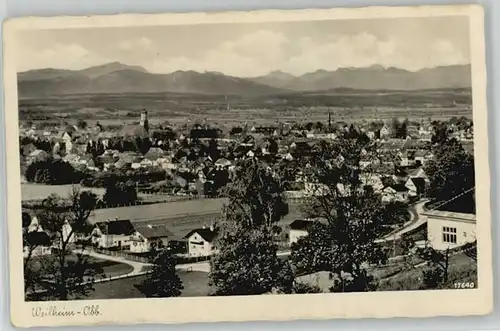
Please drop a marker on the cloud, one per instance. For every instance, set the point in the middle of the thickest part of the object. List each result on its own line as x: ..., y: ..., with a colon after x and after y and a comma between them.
x: 263, y: 51
x: 61, y: 56
x: 140, y: 44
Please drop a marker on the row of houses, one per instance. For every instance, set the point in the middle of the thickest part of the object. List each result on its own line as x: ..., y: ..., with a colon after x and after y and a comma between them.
x: 123, y: 235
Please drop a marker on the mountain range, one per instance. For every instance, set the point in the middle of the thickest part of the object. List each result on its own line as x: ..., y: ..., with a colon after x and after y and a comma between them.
x: 120, y: 78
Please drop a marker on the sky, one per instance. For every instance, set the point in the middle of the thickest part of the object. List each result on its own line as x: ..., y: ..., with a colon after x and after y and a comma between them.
x: 250, y: 49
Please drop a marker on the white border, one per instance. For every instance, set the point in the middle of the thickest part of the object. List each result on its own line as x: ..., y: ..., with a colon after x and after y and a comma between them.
x: 269, y: 307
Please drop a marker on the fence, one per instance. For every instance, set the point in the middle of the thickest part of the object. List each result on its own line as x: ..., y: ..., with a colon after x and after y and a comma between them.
x: 122, y: 254
x: 181, y: 258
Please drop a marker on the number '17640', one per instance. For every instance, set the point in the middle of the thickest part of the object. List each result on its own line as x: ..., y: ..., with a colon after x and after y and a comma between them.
x: 464, y: 285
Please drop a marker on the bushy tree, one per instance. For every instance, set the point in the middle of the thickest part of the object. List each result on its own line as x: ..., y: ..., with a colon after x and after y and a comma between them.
x: 82, y: 124
x: 350, y: 217
x: 120, y: 193
x: 441, y: 133
x: 436, y: 273
x: 142, y: 145
x: 50, y: 171
x: 67, y: 273
x: 163, y: 280
x: 246, y: 261
x: 451, y: 175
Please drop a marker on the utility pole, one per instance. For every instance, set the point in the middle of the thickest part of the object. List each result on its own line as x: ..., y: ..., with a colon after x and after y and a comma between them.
x: 394, y: 246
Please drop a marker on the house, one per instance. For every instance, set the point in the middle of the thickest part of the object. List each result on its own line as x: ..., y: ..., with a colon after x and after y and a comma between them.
x: 449, y: 229
x: 404, y: 157
x: 325, y: 136
x: 420, y: 158
x: 38, y: 156
x: 395, y: 193
x: 200, y: 241
x: 147, y: 235
x: 312, y: 189
x: 416, y: 187
x: 264, y: 130
x: 67, y: 137
x: 113, y: 234
x: 68, y: 235
x: 400, y: 174
x: 373, y: 180
x: 299, y: 229
x: 28, y: 149
x: 419, y: 173
x: 426, y: 137
x: 385, y: 132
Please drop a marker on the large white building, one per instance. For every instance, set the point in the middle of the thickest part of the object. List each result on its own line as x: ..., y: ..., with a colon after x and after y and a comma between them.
x: 449, y: 229
x: 201, y: 242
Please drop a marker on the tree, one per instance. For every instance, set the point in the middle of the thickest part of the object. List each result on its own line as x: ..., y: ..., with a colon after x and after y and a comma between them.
x: 396, y: 212
x: 403, y: 130
x: 247, y: 262
x: 120, y: 193
x: 212, y: 150
x: 350, y: 218
x: 436, y: 273
x: 163, y: 280
x: 96, y: 149
x: 451, y: 176
x: 67, y: 273
x: 50, y: 171
x: 142, y: 145
x: 396, y: 128
x: 82, y: 124
x: 441, y: 133
x: 235, y: 130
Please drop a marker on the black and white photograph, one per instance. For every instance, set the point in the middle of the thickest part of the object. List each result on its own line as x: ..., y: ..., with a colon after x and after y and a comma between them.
x: 284, y: 158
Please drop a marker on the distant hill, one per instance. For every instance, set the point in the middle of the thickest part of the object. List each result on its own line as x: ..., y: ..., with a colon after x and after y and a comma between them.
x: 373, y: 78
x: 120, y: 78
x: 94, y: 72
x: 276, y: 78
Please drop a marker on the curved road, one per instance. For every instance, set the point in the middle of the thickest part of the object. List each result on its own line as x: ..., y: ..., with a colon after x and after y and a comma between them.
x: 416, y: 220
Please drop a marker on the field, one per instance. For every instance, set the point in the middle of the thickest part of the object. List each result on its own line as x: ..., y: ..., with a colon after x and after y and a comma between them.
x: 112, y: 109
x: 39, y: 191
x: 195, y: 284
x: 109, y: 268
x: 32, y: 191
x: 179, y: 216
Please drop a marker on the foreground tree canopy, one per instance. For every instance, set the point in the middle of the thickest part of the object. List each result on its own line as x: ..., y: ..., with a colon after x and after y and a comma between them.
x: 67, y: 273
x: 451, y: 176
x: 349, y: 218
x: 247, y: 262
x: 163, y: 280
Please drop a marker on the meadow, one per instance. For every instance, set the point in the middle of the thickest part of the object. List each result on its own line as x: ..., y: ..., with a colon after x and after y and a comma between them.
x: 344, y: 105
x: 195, y: 284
